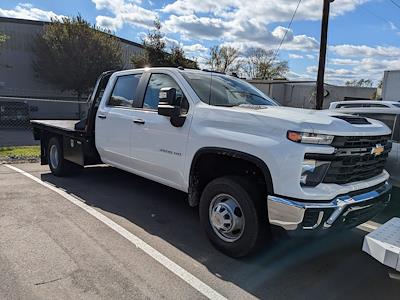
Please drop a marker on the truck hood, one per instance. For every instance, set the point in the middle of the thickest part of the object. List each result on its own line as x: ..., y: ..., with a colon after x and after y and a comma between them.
x: 307, y: 120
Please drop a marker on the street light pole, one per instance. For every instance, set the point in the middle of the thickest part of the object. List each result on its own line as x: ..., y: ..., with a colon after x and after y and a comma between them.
x: 322, y: 54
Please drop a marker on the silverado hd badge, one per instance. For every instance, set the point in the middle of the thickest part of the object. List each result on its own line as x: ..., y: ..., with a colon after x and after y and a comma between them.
x: 377, y: 150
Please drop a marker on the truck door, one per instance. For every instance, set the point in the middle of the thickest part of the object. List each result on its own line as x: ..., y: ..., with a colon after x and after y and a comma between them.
x: 158, y: 148
x: 114, y: 121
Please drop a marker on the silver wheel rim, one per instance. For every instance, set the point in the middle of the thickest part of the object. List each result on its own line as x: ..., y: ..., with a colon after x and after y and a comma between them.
x: 54, y: 156
x: 226, y: 217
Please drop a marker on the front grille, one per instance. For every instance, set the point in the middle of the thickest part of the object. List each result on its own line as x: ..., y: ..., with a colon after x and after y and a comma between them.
x: 353, y: 159
x: 359, y: 141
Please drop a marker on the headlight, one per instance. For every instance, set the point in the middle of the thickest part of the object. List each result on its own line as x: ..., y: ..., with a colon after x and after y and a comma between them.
x: 310, y: 138
x: 313, y: 172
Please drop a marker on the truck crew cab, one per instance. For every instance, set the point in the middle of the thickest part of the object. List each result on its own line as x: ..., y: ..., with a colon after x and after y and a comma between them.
x: 247, y: 162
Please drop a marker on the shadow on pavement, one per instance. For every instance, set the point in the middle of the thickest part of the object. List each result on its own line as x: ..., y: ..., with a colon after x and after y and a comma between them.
x: 328, y: 267
x: 392, y: 210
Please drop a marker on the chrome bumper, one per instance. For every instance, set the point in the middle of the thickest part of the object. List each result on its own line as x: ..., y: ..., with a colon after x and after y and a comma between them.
x: 343, y: 211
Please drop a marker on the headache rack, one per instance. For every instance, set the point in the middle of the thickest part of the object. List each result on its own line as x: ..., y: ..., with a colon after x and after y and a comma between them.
x: 354, y: 158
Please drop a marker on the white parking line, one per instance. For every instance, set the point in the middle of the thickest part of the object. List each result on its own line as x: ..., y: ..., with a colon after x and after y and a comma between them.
x: 156, y: 255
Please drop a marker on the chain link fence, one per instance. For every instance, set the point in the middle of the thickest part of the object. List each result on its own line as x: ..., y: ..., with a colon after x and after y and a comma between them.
x: 16, y: 137
x: 14, y: 115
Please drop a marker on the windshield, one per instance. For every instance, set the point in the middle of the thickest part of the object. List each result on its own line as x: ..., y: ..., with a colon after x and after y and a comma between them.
x: 222, y: 90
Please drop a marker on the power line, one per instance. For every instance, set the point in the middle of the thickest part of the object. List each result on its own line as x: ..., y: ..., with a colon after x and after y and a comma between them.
x: 395, y: 3
x: 284, y: 36
x: 378, y: 16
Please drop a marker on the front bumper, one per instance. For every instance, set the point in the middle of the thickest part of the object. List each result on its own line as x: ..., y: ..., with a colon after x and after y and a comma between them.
x: 345, y: 211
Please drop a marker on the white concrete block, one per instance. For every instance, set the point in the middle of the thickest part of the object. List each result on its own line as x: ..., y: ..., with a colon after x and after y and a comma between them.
x: 384, y: 244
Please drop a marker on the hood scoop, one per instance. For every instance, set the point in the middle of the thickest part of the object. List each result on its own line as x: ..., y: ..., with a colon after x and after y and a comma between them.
x: 353, y: 120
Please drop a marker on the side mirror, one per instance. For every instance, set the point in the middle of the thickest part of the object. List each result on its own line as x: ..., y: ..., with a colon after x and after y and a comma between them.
x: 167, y: 105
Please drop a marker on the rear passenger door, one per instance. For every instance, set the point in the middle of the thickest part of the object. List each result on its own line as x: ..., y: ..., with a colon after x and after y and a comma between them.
x: 114, y: 121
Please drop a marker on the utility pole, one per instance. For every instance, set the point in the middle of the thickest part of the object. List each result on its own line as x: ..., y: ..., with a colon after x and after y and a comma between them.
x: 322, y: 54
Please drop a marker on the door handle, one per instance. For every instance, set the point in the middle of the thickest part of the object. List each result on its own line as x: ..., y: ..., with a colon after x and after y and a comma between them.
x: 102, y: 116
x: 139, y: 121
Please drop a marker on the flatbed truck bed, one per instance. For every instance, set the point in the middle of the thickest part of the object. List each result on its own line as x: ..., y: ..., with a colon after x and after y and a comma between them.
x: 77, y: 136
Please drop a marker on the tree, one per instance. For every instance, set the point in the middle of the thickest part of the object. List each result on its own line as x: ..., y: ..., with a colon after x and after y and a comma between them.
x: 360, y: 83
x: 222, y: 59
x: 3, y: 39
x: 177, y: 58
x: 380, y: 84
x: 155, y: 52
x: 154, y: 49
x: 261, y: 64
x: 71, y: 53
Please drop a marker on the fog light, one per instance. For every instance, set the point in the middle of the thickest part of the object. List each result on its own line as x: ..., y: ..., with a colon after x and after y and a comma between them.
x: 313, y: 172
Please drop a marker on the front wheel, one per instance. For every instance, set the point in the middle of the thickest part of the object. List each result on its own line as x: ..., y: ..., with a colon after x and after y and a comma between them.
x: 233, y: 215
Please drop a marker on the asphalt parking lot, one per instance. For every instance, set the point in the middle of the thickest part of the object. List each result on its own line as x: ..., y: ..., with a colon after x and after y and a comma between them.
x: 51, y: 248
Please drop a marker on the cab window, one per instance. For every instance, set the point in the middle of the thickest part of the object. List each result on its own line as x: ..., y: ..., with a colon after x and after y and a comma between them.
x: 396, y: 130
x: 390, y: 120
x: 156, y: 82
x: 124, y: 91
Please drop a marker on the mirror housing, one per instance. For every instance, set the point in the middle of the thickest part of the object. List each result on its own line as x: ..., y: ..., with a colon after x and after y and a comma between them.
x: 167, y: 102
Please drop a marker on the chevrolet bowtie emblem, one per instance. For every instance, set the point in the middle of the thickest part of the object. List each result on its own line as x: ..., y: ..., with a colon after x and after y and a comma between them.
x: 377, y: 150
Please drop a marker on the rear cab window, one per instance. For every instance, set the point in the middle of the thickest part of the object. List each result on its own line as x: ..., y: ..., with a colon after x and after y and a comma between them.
x: 124, y: 91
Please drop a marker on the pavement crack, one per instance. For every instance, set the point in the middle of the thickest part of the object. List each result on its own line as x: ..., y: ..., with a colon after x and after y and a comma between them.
x: 49, y: 281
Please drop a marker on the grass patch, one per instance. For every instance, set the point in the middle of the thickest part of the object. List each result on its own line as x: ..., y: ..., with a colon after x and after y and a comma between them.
x: 20, y: 153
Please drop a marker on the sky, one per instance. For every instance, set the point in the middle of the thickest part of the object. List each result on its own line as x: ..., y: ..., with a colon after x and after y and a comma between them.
x: 363, y: 40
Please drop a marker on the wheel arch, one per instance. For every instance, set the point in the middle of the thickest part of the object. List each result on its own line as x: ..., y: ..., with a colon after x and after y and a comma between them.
x: 196, y: 187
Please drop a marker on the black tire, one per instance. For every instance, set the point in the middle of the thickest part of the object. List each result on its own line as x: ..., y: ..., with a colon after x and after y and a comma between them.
x: 60, y: 167
x: 252, y: 207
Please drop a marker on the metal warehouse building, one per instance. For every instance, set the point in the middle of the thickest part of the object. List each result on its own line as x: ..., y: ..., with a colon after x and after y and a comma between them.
x: 17, y: 77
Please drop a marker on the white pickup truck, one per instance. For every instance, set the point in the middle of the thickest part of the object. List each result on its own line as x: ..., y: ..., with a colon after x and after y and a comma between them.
x: 247, y: 162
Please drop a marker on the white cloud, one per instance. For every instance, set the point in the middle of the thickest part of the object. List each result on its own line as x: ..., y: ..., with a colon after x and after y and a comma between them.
x: 273, y: 11
x: 361, y: 61
x: 368, y: 68
x: 196, y: 27
x: 339, y: 76
x: 195, y: 48
x: 392, y: 26
x: 124, y: 11
x: 188, y: 7
x: 108, y: 22
x: 301, y: 42
x: 344, y: 61
x: 225, y: 25
x: 170, y: 43
x: 365, y: 51
x: 28, y: 11
x: 242, y: 34
x: 295, y: 56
